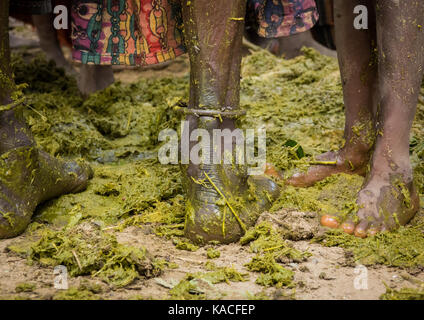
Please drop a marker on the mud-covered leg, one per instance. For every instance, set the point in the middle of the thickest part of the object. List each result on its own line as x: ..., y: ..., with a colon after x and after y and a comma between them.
x: 358, y: 65
x: 389, y: 197
x: 49, y: 41
x: 28, y: 176
x: 221, y: 201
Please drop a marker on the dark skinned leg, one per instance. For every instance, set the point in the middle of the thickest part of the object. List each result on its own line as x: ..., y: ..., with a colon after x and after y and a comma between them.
x: 356, y: 54
x: 213, y: 33
x: 49, y: 41
x: 91, y: 78
x: 94, y: 78
x: 28, y: 176
x: 389, y: 198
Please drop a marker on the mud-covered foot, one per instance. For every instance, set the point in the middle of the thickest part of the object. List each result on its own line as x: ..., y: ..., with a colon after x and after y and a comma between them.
x: 223, y: 201
x: 384, y: 203
x: 29, y: 177
x: 332, y: 162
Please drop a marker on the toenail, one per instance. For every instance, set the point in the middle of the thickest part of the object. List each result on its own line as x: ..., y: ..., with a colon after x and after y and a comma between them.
x: 271, y: 171
x: 329, y: 221
x: 349, y: 228
x: 360, y: 233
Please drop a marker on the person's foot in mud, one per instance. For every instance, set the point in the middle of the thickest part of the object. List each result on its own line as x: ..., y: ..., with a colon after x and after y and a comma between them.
x: 357, y: 61
x: 385, y: 202
x: 345, y: 160
x: 28, y: 176
x: 388, y: 197
x: 222, y: 200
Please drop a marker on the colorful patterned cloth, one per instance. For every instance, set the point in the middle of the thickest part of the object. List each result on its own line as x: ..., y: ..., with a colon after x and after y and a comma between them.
x: 145, y: 32
x: 281, y: 18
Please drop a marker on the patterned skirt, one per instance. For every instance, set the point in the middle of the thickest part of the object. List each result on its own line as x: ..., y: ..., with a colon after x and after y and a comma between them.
x: 146, y: 32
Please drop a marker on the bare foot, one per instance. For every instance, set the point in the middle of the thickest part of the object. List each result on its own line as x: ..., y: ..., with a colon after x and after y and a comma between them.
x: 332, y: 162
x: 29, y: 177
x: 222, y: 200
x: 385, y: 203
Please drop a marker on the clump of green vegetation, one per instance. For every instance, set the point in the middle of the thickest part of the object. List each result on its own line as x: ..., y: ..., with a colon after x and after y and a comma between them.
x: 133, y: 194
x: 86, y: 291
x: 272, y: 273
x: 184, y: 245
x: 90, y: 286
x: 263, y: 238
x: 86, y: 250
x: 194, y: 285
x: 187, y: 289
x: 258, y: 296
x: 296, y: 100
x: 212, y: 253
x: 403, y: 294
x: 270, y: 248
x: 221, y: 274
x: 403, y: 248
x: 76, y: 294
x: 25, y: 287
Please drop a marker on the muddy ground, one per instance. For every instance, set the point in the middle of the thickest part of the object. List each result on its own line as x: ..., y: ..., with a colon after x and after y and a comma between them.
x: 325, y: 273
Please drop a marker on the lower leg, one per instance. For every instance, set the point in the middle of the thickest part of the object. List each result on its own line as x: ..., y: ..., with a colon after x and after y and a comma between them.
x: 218, y: 205
x: 49, y: 41
x: 13, y: 130
x: 389, y: 197
x: 357, y: 61
x: 28, y: 176
x: 94, y: 78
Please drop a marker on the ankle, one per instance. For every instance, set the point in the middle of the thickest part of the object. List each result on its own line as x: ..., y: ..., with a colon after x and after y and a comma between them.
x: 14, y: 132
x: 357, y: 154
x: 389, y: 168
